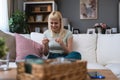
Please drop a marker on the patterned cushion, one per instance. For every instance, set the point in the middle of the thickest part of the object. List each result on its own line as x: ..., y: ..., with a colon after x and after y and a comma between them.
x: 25, y: 46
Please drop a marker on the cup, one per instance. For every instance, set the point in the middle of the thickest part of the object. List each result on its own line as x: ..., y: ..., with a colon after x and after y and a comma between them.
x: 4, y: 63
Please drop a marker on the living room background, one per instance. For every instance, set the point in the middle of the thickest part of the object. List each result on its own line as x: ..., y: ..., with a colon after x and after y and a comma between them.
x: 107, y: 13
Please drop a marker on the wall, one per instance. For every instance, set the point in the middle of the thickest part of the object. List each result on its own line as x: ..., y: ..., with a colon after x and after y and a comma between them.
x: 119, y: 15
x: 107, y: 13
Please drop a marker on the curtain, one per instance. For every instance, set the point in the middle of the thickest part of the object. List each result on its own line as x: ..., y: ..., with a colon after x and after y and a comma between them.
x: 14, y: 5
x: 10, y: 7
x: 4, y: 15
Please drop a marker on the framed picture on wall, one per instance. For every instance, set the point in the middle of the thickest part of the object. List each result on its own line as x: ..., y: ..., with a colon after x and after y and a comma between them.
x: 91, y: 31
x: 76, y: 31
x: 88, y: 9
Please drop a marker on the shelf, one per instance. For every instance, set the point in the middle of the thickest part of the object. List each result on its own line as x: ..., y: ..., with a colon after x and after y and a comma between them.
x: 40, y: 12
x: 37, y: 22
x: 37, y: 14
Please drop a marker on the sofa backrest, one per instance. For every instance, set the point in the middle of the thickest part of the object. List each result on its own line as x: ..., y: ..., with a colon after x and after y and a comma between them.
x: 36, y: 37
x: 108, y: 48
x: 83, y: 43
x: 101, y: 48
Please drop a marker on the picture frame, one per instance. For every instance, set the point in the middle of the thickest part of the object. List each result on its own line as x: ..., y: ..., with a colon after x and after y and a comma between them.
x: 76, y: 31
x: 91, y: 31
x: 108, y: 31
x: 88, y: 9
x: 39, y: 18
x: 37, y: 29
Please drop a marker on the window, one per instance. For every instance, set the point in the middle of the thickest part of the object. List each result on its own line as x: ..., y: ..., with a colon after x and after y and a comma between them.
x: 4, y: 15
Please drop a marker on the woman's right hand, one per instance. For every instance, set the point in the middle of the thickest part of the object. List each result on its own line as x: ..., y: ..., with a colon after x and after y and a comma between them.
x: 45, y: 41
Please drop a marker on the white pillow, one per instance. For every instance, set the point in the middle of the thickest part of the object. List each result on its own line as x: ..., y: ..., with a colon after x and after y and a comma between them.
x: 86, y: 45
x: 37, y: 37
x: 108, y: 48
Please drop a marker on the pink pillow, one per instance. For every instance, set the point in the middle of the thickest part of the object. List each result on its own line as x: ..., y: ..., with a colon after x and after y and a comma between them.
x: 26, y: 47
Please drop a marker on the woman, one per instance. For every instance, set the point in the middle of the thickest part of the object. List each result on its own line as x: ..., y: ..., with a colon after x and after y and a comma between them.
x: 58, y: 41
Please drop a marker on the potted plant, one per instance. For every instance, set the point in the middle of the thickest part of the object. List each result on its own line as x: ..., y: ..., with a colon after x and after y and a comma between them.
x: 17, y: 22
x: 3, y: 48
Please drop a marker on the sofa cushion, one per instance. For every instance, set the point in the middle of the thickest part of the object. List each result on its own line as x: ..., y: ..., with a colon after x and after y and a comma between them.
x: 108, y: 48
x: 86, y: 45
x: 10, y: 43
x: 37, y: 37
x: 25, y: 46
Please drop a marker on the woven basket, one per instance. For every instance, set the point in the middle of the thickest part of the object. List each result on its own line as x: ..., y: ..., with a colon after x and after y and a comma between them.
x: 40, y: 0
x: 65, y: 71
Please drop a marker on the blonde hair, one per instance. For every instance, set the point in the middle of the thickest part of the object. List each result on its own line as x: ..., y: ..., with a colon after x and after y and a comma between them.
x: 56, y: 15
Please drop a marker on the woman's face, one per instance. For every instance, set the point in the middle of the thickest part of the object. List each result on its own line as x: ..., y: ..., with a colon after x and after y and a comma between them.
x: 55, y: 25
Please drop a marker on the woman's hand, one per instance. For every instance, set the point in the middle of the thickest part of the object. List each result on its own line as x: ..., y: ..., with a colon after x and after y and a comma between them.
x: 45, y: 41
x: 67, y: 47
x: 59, y: 41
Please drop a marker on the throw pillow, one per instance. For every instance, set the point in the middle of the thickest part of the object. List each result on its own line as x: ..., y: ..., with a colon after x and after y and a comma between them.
x: 25, y: 46
x: 108, y: 48
x: 86, y: 45
x: 10, y: 43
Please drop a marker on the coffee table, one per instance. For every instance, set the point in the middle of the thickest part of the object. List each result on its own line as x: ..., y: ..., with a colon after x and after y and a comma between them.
x: 107, y: 73
x: 12, y: 73
x: 8, y: 74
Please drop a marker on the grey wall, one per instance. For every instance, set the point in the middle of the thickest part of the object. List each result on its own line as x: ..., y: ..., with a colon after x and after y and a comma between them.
x: 107, y: 13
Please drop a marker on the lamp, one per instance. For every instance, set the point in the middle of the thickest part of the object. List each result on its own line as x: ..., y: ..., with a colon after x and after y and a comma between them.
x: 66, y: 23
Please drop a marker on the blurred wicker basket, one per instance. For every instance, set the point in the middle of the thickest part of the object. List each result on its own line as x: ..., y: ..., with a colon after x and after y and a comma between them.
x: 40, y: 0
x: 65, y: 71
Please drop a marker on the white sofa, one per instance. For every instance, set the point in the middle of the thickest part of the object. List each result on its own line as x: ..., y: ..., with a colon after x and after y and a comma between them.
x: 101, y: 51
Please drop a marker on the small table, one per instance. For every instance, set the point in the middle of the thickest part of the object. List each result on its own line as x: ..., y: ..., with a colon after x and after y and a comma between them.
x: 12, y: 74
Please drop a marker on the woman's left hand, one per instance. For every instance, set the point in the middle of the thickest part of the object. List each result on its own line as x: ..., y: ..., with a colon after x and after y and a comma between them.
x: 59, y: 40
